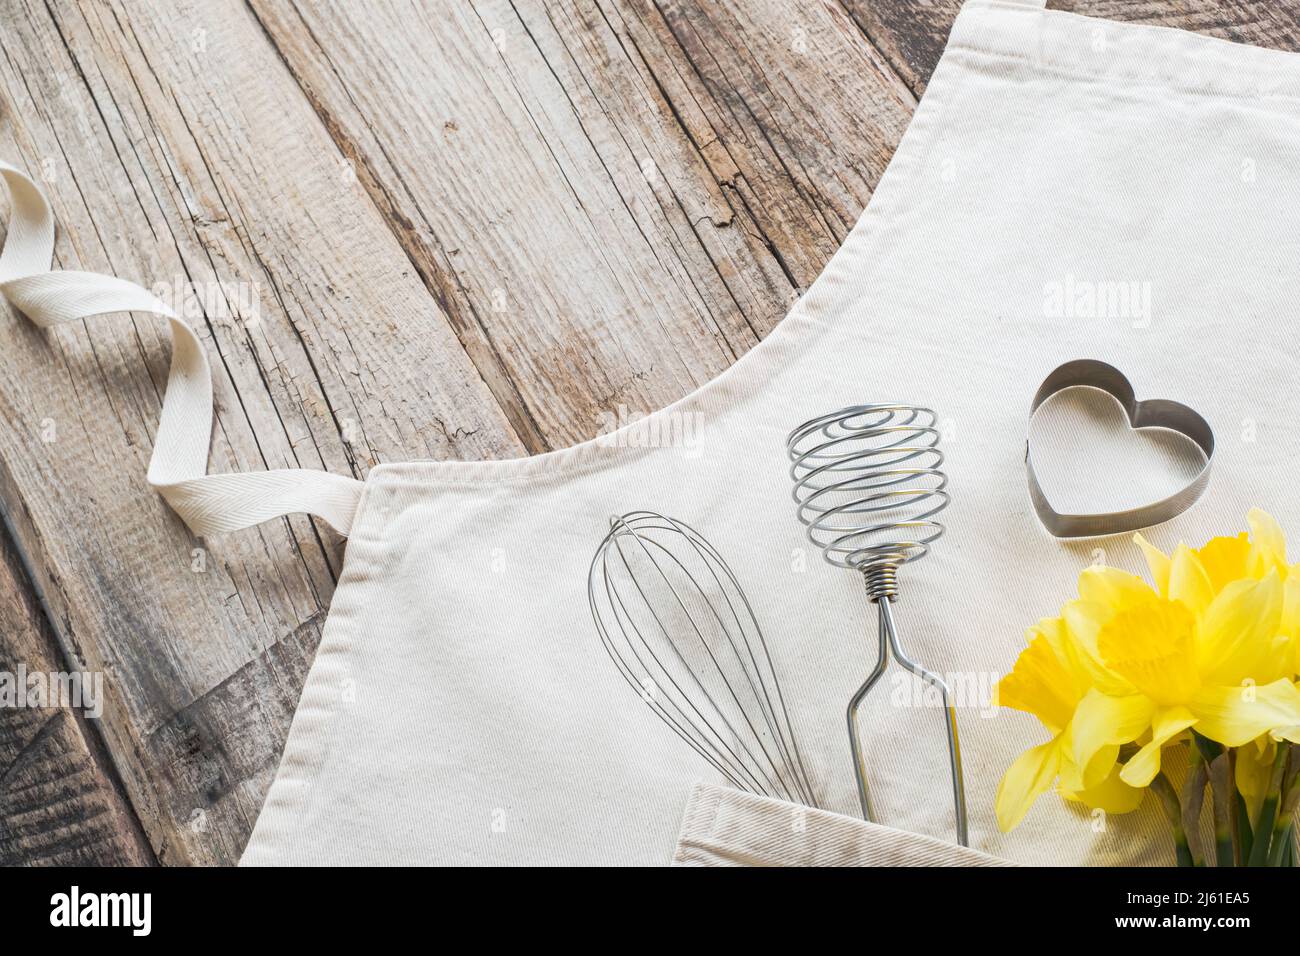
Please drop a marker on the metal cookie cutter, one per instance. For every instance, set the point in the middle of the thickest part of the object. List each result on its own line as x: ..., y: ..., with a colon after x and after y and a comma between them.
x: 1150, y: 413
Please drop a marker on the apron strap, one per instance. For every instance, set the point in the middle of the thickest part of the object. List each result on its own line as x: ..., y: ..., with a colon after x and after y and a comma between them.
x: 208, y: 504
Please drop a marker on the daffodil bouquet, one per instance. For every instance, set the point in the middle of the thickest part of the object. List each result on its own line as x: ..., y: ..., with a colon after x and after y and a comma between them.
x: 1203, y: 658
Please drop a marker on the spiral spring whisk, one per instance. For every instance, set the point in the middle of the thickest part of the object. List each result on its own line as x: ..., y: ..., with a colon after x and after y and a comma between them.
x: 868, y: 483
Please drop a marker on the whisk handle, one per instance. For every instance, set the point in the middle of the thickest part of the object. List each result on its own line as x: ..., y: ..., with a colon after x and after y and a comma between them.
x: 855, y: 740
x: 950, y: 717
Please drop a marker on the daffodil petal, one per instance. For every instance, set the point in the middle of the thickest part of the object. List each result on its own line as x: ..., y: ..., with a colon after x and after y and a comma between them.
x: 1158, y: 562
x: 1071, y: 656
x: 1143, y: 766
x: 1236, y: 637
x: 1101, y: 721
x: 1032, y: 775
x: 1085, y: 619
x: 1188, y: 581
x: 1153, y: 646
x: 1083, y: 777
x: 1266, y: 534
x: 1291, y: 733
x: 1236, y: 715
x: 1289, y: 626
x: 1038, y: 684
x: 1227, y: 559
x: 1112, y: 587
x: 1112, y: 795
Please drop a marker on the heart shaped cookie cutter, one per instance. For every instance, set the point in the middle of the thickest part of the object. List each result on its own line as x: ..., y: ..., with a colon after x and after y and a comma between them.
x: 1150, y: 413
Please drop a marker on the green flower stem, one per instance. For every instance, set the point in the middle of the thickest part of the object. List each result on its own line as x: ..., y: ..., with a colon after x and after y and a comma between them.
x: 1244, y: 834
x: 1282, y: 853
x: 1193, y: 801
x: 1209, y: 748
x: 1221, y: 787
x: 1174, y: 811
x: 1265, y: 826
x: 1283, y: 825
x: 1235, y: 815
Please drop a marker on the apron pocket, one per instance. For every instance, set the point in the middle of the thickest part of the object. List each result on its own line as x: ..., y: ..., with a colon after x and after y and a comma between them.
x: 725, y: 827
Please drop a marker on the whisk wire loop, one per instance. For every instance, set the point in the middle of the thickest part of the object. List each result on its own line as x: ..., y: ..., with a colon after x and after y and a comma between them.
x: 865, y: 473
x: 761, y: 698
x: 677, y: 624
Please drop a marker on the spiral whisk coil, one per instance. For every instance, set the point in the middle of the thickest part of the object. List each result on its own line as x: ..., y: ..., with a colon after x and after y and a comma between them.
x: 677, y: 624
x: 868, y: 483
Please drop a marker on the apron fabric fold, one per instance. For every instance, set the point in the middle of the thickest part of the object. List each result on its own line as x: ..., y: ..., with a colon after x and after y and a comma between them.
x: 726, y: 827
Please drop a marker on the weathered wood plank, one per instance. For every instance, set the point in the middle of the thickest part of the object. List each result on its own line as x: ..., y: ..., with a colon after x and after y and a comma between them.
x: 912, y: 33
x: 60, y: 801
x: 614, y: 200
x: 177, y: 150
x: 1274, y: 24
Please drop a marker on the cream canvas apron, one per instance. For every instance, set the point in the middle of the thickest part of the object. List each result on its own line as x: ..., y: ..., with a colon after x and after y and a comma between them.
x: 461, y: 708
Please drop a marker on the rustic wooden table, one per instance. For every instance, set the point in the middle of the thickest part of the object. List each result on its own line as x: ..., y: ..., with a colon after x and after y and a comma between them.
x: 403, y: 230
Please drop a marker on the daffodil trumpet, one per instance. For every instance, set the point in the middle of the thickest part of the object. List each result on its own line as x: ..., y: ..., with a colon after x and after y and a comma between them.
x: 1203, y: 658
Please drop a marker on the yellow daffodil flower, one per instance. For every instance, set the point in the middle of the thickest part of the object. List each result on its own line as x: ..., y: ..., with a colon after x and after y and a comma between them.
x: 1214, y: 645
x: 1248, y: 555
x: 1194, y: 659
x: 1252, y: 555
x: 1050, y: 680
